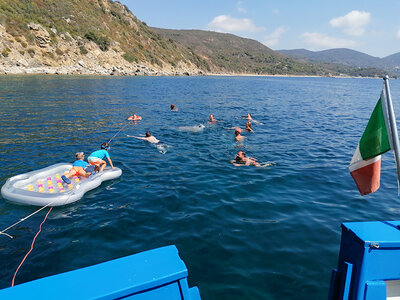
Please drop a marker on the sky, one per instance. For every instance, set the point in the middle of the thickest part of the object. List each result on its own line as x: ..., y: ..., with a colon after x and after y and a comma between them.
x: 368, y: 26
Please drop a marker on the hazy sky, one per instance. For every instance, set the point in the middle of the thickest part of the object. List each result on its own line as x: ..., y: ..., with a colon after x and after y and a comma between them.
x: 369, y: 26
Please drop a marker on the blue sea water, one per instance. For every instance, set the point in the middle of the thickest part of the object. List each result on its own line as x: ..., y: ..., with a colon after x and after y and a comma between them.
x: 243, y: 232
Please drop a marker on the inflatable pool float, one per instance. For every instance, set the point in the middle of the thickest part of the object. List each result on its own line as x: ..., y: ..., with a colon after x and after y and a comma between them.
x: 45, y: 186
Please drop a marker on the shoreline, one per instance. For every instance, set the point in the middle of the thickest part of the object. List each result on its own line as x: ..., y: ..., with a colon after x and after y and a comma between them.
x: 144, y: 71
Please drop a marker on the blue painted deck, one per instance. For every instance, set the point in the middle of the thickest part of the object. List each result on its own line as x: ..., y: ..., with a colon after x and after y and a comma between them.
x: 154, y: 274
x: 369, y: 262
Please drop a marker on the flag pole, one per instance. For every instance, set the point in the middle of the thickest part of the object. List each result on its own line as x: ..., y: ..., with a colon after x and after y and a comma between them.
x: 393, y: 126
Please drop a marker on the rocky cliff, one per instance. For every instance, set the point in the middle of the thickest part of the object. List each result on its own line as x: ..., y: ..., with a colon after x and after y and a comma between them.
x: 86, y: 37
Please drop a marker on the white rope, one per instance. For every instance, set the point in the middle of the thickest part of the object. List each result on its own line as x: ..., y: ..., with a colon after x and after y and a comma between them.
x: 23, y: 219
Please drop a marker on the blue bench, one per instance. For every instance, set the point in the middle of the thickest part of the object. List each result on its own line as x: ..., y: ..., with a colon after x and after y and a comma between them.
x: 153, y: 274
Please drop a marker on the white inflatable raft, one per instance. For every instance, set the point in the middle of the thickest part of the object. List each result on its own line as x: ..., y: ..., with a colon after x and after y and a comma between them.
x: 45, y: 186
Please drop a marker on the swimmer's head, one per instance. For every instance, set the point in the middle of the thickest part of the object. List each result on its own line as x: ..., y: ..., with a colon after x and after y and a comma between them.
x: 248, y: 124
x: 237, y: 131
x: 105, y: 146
x: 79, y: 155
x: 148, y: 134
x: 240, y: 156
x: 172, y: 106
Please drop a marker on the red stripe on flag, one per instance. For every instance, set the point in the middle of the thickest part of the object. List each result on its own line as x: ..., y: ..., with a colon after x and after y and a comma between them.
x: 368, y: 178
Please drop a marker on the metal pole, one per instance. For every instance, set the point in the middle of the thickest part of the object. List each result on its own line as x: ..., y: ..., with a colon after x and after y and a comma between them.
x: 392, y: 122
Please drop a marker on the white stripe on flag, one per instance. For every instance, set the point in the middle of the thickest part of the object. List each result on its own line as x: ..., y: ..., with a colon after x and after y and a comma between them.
x: 357, y: 162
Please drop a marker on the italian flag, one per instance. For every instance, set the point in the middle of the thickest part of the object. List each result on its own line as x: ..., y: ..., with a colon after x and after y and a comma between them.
x: 365, y: 167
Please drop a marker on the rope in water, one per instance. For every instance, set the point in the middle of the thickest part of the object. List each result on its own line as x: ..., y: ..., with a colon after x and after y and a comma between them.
x: 23, y: 219
x: 118, y: 132
x: 30, y: 250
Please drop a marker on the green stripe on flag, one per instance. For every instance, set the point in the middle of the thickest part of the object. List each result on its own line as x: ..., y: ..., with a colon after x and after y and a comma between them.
x: 374, y: 140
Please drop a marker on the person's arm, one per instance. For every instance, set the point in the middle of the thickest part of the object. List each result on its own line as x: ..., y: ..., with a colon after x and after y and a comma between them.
x: 110, y: 162
x: 138, y: 137
x: 233, y: 162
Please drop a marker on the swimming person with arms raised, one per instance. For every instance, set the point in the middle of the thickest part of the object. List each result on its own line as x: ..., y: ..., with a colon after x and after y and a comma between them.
x: 152, y: 140
x: 148, y: 137
x: 242, y: 160
x: 78, y: 168
x: 97, y: 158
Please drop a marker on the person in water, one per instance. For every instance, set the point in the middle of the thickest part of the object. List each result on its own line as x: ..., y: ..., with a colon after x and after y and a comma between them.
x: 173, y: 108
x: 248, y: 126
x: 78, y: 168
x: 238, y: 136
x: 248, y: 117
x: 148, y: 137
x: 242, y: 160
x: 97, y: 158
x: 134, y: 117
x: 212, y: 120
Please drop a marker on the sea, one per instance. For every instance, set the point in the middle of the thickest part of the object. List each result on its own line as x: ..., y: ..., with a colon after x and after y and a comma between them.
x: 244, y: 232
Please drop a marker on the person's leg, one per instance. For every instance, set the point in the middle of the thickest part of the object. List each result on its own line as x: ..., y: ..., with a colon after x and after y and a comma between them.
x: 95, y: 164
x: 82, y: 173
x: 71, y: 173
x: 103, y: 164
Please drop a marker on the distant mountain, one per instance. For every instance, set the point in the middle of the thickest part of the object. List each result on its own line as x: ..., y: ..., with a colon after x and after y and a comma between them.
x: 342, y: 56
x: 347, y: 57
x: 392, y: 61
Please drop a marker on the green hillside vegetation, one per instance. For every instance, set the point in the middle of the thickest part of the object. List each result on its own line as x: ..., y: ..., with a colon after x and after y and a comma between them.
x: 104, y: 22
x: 230, y: 53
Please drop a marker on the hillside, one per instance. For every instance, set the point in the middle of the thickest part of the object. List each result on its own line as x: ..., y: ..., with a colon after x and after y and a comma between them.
x: 392, y: 62
x: 95, y: 36
x: 104, y: 37
x: 232, y: 54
